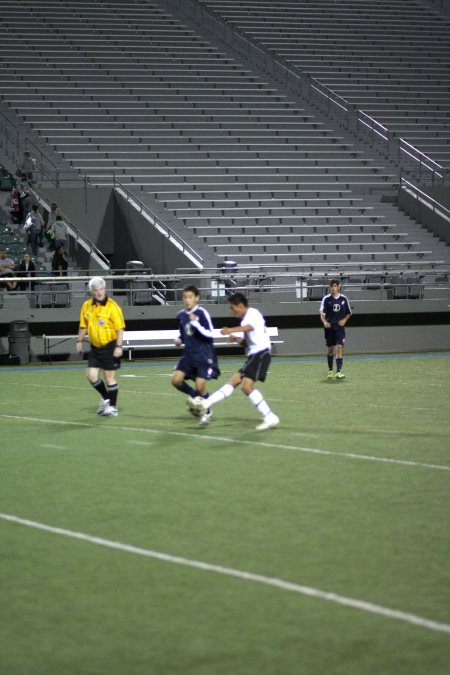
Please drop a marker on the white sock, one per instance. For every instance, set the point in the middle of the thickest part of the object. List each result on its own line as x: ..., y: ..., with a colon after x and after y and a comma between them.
x: 260, y: 404
x: 221, y: 394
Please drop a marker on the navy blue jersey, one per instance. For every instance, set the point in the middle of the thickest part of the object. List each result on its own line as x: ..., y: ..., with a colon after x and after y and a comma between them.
x: 335, y: 308
x: 196, y: 334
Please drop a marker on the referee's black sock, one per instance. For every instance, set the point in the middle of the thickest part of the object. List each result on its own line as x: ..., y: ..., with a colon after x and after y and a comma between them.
x: 113, y: 391
x: 100, y: 387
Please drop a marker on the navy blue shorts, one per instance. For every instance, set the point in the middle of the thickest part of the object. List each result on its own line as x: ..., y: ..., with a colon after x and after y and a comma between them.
x: 256, y: 366
x: 207, y: 369
x: 334, y: 336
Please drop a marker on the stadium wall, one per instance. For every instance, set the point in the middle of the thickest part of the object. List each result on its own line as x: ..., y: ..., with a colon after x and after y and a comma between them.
x: 394, y: 326
x: 122, y: 233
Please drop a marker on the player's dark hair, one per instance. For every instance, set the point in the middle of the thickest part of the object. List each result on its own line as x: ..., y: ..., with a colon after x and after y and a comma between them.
x: 238, y: 299
x: 335, y: 281
x: 190, y: 288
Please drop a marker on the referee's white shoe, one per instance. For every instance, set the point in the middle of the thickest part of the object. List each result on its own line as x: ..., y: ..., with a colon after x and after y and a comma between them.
x: 270, y: 421
x: 110, y: 411
x: 104, y: 403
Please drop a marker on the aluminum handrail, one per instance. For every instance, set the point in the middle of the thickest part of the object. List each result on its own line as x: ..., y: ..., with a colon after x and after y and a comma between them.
x: 422, y: 159
x: 425, y: 198
x: 74, y: 232
x: 355, y: 116
x: 159, y: 223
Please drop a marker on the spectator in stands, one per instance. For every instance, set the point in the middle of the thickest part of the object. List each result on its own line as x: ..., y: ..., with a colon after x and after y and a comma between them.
x: 7, y: 270
x: 50, y: 231
x: 27, y: 166
x: 59, y: 262
x: 15, y: 206
x: 33, y: 227
x: 60, y: 232
x: 335, y: 311
x: 27, y: 268
x: 24, y: 198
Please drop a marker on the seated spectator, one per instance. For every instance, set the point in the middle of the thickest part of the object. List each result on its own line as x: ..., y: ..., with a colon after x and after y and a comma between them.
x: 27, y: 268
x: 7, y: 270
x: 59, y: 263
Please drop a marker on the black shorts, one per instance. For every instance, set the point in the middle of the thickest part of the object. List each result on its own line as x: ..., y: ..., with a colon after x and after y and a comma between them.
x: 102, y: 357
x: 256, y: 366
x: 334, y: 336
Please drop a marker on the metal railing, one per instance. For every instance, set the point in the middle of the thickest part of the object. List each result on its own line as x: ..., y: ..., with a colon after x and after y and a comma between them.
x: 426, y: 199
x: 215, y: 288
x: 296, y: 79
x: 75, y: 236
x: 427, y: 167
x: 159, y: 224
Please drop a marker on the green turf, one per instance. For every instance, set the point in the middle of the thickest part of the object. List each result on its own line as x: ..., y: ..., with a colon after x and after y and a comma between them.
x: 263, y: 503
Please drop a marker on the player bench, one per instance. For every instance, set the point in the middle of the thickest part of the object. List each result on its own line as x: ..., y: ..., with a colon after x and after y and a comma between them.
x: 151, y: 339
x: 164, y: 339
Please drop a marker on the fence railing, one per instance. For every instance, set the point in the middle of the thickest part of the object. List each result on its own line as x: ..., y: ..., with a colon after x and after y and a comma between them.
x: 297, y: 80
x: 427, y: 168
x: 159, y: 224
x: 148, y: 289
x: 425, y: 198
x: 75, y: 236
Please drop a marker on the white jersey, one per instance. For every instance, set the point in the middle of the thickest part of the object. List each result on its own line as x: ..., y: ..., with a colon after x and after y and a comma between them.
x: 256, y: 340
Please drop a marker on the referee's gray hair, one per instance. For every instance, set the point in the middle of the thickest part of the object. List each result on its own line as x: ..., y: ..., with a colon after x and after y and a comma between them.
x: 96, y: 282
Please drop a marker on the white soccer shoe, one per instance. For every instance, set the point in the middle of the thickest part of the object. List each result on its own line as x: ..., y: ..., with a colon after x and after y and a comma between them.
x: 198, y: 403
x: 104, y: 403
x: 110, y: 411
x: 205, y: 418
x: 270, y: 421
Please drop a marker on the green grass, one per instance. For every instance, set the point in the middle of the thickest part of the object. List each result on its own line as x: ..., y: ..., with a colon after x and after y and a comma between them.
x: 265, y: 503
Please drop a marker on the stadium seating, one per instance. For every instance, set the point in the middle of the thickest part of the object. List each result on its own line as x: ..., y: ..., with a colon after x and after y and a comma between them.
x: 391, y: 59
x: 137, y: 95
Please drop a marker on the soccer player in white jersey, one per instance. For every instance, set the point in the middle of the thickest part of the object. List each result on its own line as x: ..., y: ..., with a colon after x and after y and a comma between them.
x: 257, y: 343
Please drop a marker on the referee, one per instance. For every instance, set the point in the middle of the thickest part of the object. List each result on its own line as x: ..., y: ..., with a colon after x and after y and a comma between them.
x: 102, y: 320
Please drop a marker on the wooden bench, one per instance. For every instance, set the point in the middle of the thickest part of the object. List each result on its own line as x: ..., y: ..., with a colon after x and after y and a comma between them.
x: 151, y: 339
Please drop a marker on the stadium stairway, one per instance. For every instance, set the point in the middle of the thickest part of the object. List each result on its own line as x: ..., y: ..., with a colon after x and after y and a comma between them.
x: 133, y: 93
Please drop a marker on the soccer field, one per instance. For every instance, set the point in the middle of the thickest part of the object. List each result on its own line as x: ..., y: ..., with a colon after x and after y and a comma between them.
x: 145, y: 545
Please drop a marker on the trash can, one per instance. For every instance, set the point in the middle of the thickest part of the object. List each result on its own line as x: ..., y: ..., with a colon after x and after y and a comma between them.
x: 19, y: 340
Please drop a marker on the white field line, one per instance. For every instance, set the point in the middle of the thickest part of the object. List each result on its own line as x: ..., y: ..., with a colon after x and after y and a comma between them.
x: 354, y: 603
x: 235, y: 441
x: 52, y: 447
x: 122, y: 389
x: 133, y: 442
x: 292, y: 401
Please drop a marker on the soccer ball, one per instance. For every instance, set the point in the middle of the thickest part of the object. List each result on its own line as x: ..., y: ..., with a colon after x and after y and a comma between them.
x: 194, y: 413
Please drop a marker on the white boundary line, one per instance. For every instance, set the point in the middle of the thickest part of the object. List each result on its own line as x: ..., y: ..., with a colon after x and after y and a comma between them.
x: 354, y: 603
x: 237, y: 441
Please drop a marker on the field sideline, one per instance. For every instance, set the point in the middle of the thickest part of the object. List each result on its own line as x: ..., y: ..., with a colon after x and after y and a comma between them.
x: 145, y: 545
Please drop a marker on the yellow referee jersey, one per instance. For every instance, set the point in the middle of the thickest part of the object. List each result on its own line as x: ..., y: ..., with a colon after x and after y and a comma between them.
x: 102, y: 321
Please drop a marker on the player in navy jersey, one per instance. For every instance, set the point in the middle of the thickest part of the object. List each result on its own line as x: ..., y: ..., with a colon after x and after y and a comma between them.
x: 199, y: 361
x: 335, y: 311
